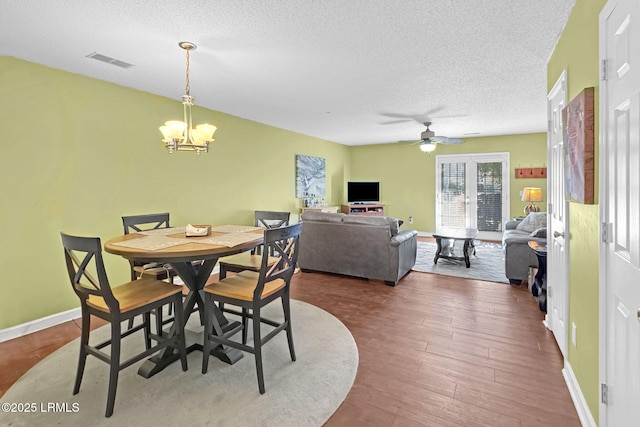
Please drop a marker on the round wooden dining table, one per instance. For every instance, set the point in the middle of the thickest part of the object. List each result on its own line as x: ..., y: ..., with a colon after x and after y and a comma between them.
x: 193, y: 259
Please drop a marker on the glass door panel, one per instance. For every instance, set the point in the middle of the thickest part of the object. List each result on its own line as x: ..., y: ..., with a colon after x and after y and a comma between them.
x: 489, y: 196
x: 453, y: 200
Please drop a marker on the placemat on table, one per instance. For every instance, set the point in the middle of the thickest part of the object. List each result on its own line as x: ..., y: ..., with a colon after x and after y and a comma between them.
x: 152, y: 243
x: 235, y: 229
x: 162, y: 231
x: 230, y: 239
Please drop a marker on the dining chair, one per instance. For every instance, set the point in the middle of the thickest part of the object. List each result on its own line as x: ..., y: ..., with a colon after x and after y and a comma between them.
x: 146, y: 222
x: 88, y: 277
x: 251, y: 260
x: 251, y: 291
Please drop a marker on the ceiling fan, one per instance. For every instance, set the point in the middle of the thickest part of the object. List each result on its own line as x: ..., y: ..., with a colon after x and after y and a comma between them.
x: 429, y: 139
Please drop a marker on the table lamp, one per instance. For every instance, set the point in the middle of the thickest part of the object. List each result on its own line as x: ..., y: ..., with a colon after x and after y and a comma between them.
x: 531, y: 195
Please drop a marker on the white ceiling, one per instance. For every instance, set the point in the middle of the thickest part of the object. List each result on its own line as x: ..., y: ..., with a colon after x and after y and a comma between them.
x: 350, y: 71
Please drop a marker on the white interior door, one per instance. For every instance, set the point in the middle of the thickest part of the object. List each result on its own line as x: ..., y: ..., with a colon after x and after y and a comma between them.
x: 472, y: 191
x: 620, y: 211
x: 558, y: 219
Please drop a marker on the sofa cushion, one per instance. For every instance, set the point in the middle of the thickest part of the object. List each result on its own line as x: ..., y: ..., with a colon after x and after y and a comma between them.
x: 392, y: 223
x: 533, y: 221
x: 322, y: 216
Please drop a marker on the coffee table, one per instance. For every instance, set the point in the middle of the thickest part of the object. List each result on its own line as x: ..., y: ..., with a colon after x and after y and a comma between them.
x: 446, y: 238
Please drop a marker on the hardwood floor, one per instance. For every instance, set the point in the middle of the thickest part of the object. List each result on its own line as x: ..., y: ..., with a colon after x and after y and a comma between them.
x: 434, y: 351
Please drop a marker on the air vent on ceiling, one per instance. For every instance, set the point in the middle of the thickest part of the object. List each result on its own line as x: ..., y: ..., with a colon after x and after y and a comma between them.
x: 109, y: 60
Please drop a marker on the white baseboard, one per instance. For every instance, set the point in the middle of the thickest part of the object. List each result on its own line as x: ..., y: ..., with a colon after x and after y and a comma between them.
x: 586, y: 419
x: 54, y: 319
x: 39, y: 324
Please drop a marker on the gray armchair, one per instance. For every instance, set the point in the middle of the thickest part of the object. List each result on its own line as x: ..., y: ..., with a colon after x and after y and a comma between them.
x: 518, y: 256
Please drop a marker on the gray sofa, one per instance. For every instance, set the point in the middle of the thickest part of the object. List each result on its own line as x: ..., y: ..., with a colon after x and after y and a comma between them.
x: 372, y: 247
x: 518, y: 256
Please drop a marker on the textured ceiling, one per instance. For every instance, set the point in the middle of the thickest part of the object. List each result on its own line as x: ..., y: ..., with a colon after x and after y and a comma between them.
x: 350, y: 71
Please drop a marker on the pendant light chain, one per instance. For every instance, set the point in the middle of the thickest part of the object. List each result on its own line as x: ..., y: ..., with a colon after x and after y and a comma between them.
x: 187, y: 87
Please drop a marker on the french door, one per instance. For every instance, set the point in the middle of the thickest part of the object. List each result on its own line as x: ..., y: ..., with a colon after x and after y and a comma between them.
x: 472, y: 191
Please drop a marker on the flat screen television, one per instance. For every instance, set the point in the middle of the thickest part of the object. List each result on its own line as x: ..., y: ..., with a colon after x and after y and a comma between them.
x: 363, y: 192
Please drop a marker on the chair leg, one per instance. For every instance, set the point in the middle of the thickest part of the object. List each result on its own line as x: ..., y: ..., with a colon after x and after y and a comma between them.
x: 287, y: 318
x: 159, y: 321
x: 257, y: 348
x: 82, y: 358
x: 222, y: 274
x: 245, y: 320
x: 208, y: 326
x: 134, y: 276
x: 178, y: 321
x: 146, y: 319
x: 114, y: 367
x: 170, y: 281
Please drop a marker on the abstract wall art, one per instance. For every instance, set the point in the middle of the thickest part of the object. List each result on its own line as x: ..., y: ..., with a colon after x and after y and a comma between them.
x: 579, y: 155
x: 310, y: 176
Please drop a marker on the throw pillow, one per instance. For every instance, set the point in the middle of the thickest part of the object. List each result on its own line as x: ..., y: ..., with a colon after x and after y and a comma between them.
x: 533, y: 221
x: 540, y: 232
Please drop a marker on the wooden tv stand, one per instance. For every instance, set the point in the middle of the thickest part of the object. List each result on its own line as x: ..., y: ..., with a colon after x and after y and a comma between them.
x: 369, y: 210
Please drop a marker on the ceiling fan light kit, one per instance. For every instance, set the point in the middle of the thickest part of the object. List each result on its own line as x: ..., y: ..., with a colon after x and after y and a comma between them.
x: 180, y: 135
x: 429, y: 140
x: 427, y: 146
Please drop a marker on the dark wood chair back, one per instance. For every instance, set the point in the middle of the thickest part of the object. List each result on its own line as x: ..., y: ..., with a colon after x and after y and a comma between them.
x: 83, y: 256
x: 268, y: 220
x: 271, y: 219
x: 145, y: 222
x: 283, y: 243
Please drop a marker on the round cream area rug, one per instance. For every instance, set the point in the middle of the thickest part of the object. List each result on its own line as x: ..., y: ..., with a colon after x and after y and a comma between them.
x: 302, y: 393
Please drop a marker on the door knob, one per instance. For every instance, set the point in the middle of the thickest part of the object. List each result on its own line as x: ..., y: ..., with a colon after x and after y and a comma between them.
x: 556, y: 234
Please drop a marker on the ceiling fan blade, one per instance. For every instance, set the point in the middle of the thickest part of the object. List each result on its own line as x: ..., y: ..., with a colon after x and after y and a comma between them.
x: 419, y: 118
x: 393, y: 122
x: 445, y: 140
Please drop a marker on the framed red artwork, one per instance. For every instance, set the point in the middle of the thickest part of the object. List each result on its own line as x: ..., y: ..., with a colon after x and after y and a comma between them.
x: 579, y: 149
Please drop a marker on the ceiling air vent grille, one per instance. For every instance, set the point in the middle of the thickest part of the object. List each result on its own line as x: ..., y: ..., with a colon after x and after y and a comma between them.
x: 109, y: 60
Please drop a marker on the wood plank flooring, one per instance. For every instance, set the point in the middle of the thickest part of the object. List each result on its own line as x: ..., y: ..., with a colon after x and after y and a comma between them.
x: 434, y: 351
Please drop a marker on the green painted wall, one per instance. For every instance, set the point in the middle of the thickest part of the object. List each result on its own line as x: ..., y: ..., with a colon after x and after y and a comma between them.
x: 407, y: 175
x: 78, y: 153
x: 577, y: 51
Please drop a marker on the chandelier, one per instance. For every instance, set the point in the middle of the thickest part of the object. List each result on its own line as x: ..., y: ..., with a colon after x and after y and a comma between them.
x: 180, y: 135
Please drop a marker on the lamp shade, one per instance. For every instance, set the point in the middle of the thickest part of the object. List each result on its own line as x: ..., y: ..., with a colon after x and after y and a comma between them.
x: 532, y: 194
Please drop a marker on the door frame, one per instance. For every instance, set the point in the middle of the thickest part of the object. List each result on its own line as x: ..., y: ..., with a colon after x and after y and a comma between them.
x: 603, y: 161
x: 553, y: 182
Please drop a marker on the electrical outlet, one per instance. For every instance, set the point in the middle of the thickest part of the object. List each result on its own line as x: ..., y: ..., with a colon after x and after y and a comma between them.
x: 410, y: 220
x: 574, y: 333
